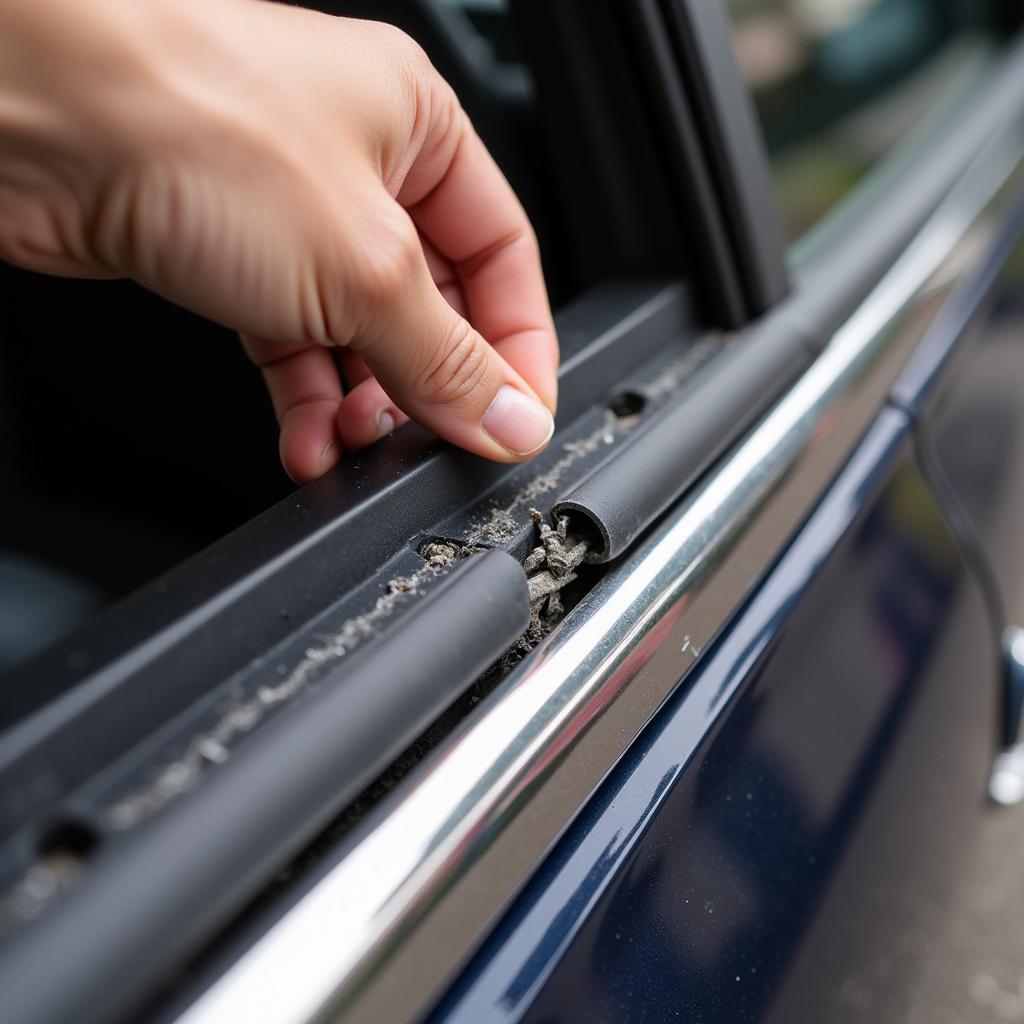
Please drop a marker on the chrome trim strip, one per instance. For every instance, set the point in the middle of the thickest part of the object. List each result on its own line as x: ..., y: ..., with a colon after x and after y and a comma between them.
x: 319, y: 954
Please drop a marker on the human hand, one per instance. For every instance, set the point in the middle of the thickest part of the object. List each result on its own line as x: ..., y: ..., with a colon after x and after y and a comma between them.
x: 309, y: 181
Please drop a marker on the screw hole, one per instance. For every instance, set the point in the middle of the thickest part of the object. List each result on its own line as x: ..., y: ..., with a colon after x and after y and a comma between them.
x: 627, y: 404
x: 68, y: 841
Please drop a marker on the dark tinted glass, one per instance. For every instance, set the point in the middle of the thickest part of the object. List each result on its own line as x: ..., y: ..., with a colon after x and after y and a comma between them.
x: 838, y: 83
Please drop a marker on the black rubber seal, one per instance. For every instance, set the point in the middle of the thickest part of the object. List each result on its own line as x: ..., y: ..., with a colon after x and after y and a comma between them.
x: 612, y: 506
x: 175, y: 880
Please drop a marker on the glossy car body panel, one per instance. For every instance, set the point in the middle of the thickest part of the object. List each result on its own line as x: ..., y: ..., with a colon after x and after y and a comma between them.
x: 781, y: 842
x: 975, y: 418
x: 784, y: 791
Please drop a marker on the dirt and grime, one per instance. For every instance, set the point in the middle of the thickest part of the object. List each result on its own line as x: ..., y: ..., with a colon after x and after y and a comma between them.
x: 550, y: 567
x: 504, y: 521
x: 213, y: 745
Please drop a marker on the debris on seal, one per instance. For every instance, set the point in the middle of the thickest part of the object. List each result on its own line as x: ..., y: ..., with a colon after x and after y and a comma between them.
x: 550, y: 567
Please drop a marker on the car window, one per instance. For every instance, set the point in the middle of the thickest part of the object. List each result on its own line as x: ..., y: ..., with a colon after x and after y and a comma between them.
x: 839, y: 83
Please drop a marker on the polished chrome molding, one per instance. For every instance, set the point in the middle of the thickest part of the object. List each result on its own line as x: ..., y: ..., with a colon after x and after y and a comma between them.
x: 376, y: 937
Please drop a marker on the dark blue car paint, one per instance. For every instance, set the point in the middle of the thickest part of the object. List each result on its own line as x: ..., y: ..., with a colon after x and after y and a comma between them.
x: 780, y: 843
x: 975, y: 419
x: 694, y: 884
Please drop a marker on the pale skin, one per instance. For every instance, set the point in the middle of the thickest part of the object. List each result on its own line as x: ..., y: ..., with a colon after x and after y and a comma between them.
x: 308, y: 181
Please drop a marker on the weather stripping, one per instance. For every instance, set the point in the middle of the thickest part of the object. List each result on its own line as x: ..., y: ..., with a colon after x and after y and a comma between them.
x: 624, y: 495
x: 253, y: 814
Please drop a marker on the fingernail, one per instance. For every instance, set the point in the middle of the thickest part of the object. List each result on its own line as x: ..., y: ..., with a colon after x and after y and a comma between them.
x: 517, y: 422
x: 327, y: 456
x: 385, y: 424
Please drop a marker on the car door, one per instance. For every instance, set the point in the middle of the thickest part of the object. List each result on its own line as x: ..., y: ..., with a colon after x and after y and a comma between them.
x: 702, y: 737
x: 782, y: 841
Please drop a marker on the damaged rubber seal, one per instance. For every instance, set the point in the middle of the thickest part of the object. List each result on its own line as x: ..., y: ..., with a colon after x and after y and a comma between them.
x: 550, y: 567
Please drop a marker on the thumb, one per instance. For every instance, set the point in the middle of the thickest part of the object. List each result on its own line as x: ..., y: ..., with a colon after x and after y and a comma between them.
x: 440, y: 371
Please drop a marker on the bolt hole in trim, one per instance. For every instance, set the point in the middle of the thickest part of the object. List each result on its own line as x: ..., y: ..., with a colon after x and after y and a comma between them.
x: 332, y: 943
x: 68, y: 839
x: 63, y: 850
x: 627, y: 405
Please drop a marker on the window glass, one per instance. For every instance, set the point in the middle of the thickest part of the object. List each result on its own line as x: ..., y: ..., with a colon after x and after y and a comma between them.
x: 838, y: 83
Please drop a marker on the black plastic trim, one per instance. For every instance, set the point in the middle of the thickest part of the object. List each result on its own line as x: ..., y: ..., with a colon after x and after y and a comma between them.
x: 660, y: 158
x: 620, y: 201
x: 733, y: 147
x: 714, y: 267
x: 174, y: 881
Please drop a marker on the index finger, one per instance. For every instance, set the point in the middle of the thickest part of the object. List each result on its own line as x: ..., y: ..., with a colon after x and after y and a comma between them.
x: 467, y: 210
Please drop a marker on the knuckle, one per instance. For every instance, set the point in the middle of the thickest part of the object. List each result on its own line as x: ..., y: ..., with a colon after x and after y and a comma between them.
x: 525, y: 242
x: 388, y: 262
x: 450, y: 120
x: 458, y: 370
x: 404, y: 49
x: 319, y: 309
x: 520, y: 243
x: 531, y: 244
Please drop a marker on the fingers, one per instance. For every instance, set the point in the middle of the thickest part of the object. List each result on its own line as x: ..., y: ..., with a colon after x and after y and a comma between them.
x: 353, y: 370
x: 466, y: 210
x: 306, y: 392
x: 445, y: 277
x: 435, y: 291
x: 367, y: 414
x: 435, y: 366
x: 309, y: 443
